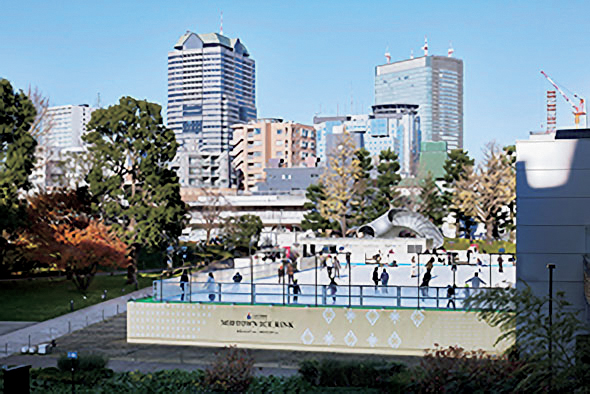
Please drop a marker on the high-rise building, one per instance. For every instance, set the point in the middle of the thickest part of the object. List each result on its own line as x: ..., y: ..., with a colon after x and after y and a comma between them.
x: 435, y: 84
x: 270, y: 143
x: 211, y: 85
x: 390, y: 126
x: 65, y: 126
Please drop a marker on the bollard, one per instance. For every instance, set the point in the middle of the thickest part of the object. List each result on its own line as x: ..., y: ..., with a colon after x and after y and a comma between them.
x: 103, y: 314
x: 71, y: 305
x: 69, y: 327
x: 29, y: 340
x: 86, y: 320
x: 117, y: 309
x: 6, y: 348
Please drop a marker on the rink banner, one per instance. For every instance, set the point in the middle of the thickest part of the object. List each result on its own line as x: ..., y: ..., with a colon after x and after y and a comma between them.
x: 354, y: 330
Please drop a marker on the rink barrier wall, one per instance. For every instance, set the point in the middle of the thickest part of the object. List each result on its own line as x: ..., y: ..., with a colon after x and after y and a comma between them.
x: 387, y: 331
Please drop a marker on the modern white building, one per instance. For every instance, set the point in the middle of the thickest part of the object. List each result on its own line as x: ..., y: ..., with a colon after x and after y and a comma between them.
x: 65, y: 126
x: 211, y: 86
x: 553, y: 214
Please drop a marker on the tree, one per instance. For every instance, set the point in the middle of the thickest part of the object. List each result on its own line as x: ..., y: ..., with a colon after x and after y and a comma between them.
x: 17, y: 159
x: 506, y: 221
x: 388, y: 178
x: 210, y: 212
x: 64, y: 235
x: 523, y: 319
x: 313, y: 219
x: 486, y: 190
x: 431, y: 203
x: 362, y: 201
x: 455, y: 170
x: 242, y: 231
x: 136, y: 191
x: 341, y: 182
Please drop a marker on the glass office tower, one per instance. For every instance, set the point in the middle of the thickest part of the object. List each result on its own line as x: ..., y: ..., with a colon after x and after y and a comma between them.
x: 435, y: 84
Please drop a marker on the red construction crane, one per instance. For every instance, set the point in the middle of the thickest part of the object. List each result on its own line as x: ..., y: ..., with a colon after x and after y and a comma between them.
x: 578, y: 110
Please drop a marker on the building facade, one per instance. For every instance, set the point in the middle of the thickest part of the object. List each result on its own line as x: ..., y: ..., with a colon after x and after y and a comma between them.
x: 435, y: 84
x: 390, y: 126
x: 65, y: 126
x: 268, y: 143
x: 211, y: 85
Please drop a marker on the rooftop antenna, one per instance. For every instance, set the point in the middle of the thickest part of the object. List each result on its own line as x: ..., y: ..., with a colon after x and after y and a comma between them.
x: 387, y: 55
x: 221, y: 24
x: 98, y: 103
x: 411, y: 53
x: 451, y: 50
x: 425, y: 47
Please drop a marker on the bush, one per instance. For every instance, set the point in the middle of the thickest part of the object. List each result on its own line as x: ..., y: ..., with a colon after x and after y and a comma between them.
x: 231, y: 371
x: 456, y: 370
x: 84, y: 362
x: 379, y: 375
x: 273, y: 384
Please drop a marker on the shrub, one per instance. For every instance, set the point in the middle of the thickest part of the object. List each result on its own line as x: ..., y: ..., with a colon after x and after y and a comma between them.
x: 330, y: 373
x: 455, y: 370
x: 273, y: 384
x: 231, y: 371
x: 84, y: 362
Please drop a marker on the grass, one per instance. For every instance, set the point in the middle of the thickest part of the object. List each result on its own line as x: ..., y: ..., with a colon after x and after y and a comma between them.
x: 42, y: 299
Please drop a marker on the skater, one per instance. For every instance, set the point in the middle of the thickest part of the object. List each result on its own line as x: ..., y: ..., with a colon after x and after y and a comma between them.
x: 475, y: 281
x: 376, y: 277
x: 430, y: 264
x: 451, y: 295
x: 337, y: 266
x: 296, y: 290
x: 425, y: 281
x: 329, y: 265
x: 479, y: 264
x: 237, y: 278
x: 384, y: 280
x: 210, y: 286
x: 281, y: 273
x: 183, y: 284
x: 414, y: 267
x: 290, y: 272
x: 333, y: 289
x: 390, y: 258
x: 500, y: 261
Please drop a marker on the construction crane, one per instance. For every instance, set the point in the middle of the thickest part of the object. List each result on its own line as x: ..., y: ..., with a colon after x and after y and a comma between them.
x: 578, y: 109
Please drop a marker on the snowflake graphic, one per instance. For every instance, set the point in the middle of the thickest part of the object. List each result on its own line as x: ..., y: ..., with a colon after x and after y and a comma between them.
x: 394, y: 340
x: 350, y: 339
x: 372, y: 316
x: 372, y: 340
x: 307, y: 337
x: 329, y: 338
x: 329, y: 315
x: 417, y: 317
x: 350, y: 315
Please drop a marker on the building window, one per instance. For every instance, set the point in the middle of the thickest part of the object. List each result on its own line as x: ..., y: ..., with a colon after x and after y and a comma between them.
x: 257, y: 131
x: 279, y: 131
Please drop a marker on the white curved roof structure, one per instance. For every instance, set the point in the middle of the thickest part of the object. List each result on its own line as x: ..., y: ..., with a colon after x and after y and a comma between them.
x: 392, y: 223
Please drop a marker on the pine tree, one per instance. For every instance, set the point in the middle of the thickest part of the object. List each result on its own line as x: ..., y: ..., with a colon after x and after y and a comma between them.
x: 313, y: 219
x: 136, y: 191
x: 361, y: 205
x: 455, y: 169
x: 388, y: 178
x: 431, y: 202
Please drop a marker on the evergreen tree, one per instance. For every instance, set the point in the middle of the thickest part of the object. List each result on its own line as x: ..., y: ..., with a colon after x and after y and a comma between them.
x: 136, y: 191
x: 431, y: 202
x: 313, y: 219
x: 361, y: 205
x: 455, y: 170
x: 388, y: 178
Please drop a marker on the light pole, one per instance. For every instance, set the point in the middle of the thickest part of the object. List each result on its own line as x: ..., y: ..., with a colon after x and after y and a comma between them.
x: 251, y: 272
x: 550, y: 267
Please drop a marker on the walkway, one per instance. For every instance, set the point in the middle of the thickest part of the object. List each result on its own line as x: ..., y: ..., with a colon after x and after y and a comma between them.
x: 44, y: 332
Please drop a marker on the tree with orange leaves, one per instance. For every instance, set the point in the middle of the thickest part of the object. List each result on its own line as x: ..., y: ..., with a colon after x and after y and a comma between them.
x: 64, y: 235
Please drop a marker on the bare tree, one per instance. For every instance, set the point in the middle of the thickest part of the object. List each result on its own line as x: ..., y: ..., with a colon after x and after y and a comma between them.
x: 211, y: 211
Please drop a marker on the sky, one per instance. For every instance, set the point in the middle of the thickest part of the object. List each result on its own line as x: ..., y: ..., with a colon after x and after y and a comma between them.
x: 311, y: 56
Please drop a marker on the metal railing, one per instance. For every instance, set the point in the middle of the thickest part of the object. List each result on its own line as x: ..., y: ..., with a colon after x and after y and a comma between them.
x: 312, y: 295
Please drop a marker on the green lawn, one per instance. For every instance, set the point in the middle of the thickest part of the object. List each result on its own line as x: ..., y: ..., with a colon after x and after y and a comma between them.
x: 42, y: 299
x: 484, y: 246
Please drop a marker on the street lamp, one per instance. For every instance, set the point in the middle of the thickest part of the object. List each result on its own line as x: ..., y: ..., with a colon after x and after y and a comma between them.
x: 251, y: 271
x: 550, y: 267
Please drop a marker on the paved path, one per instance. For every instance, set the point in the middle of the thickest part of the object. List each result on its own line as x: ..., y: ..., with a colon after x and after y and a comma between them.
x: 10, y: 326
x: 44, y: 332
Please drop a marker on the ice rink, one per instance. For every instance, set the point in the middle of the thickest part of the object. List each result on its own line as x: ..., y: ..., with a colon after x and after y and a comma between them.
x: 354, y: 285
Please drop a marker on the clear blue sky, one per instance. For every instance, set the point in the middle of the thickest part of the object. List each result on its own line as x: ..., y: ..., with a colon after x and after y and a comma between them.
x: 309, y: 54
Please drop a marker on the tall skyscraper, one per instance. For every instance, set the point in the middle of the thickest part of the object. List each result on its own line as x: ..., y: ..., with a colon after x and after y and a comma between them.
x: 211, y: 85
x: 66, y: 124
x: 435, y: 84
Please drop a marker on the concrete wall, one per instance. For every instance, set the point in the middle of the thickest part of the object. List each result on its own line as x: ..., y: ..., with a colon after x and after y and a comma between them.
x: 553, y: 214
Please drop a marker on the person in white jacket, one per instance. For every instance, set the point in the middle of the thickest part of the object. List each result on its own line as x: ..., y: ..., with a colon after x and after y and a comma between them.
x: 210, y: 286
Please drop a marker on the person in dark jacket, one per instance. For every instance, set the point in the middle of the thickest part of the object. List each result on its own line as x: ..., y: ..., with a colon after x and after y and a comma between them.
x: 237, y: 277
x: 376, y: 277
x: 425, y: 281
x: 451, y: 295
x: 296, y: 290
x: 183, y: 284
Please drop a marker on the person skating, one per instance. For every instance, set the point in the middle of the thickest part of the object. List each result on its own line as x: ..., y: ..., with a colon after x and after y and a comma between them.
x: 337, y: 266
x: 330, y: 265
x: 210, y: 286
x: 451, y: 295
x: 290, y: 272
x: 430, y: 264
x: 333, y: 289
x: 183, y: 283
x: 376, y: 277
x: 425, y: 282
x: 500, y: 261
x: 414, y: 267
x: 296, y: 290
x: 237, y: 278
x: 475, y: 281
x: 384, y: 279
x: 281, y: 273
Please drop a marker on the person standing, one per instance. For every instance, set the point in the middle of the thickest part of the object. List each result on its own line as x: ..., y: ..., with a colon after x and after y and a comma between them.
x: 479, y: 264
x: 296, y: 289
x: 475, y: 281
x: 329, y: 265
x: 210, y: 286
x: 384, y: 280
x: 451, y: 295
x: 425, y: 282
x: 337, y: 267
x: 414, y: 267
x: 500, y: 261
x: 290, y: 272
x: 183, y: 284
x: 281, y: 273
x: 376, y: 277
x: 333, y: 289
x: 430, y: 264
x: 237, y: 278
